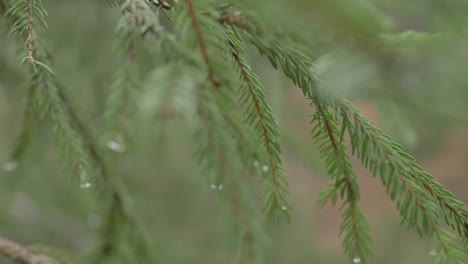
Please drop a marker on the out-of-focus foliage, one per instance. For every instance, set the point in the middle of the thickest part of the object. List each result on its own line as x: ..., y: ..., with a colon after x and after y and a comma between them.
x: 136, y: 76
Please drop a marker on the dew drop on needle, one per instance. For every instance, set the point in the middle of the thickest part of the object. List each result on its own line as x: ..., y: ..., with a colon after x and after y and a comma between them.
x: 115, y: 146
x: 85, y: 185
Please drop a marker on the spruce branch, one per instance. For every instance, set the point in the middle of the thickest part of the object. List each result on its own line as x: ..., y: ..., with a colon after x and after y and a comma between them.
x: 354, y: 226
x: 135, y: 25
x: 258, y: 114
x: 406, y: 182
x: 247, y: 229
x: 218, y: 159
x: 417, y: 208
x: 22, y: 254
x: 28, y: 16
x: 25, y: 15
x: 121, y: 103
x: 115, y: 3
x: 23, y: 139
x: 244, y: 228
x: 120, y: 226
x: 78, y: 145
x: 223, y: 142
x: 201, y: 42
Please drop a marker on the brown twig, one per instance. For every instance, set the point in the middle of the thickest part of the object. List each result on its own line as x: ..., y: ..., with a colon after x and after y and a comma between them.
x: 201, y: 42
x: 22, y: 254
x: 31, y: 33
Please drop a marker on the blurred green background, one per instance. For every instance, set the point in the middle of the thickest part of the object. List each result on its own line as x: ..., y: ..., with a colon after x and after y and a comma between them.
x: 412, y: 85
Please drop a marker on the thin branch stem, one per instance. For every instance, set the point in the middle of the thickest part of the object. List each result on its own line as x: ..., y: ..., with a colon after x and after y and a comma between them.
x: 351, y: 197
x: 22, y: 254
x: 267, y: 140
x: 201, y: 42
x: 31, y: 34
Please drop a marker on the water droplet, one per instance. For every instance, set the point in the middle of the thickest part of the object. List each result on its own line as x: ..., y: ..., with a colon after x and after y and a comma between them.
x: 115, y: 146
x: 433, y: 253
x: 357, y: 260
x: 265, y: 168
x: 284, y: 208
x: 256, y: 163
x: 10, y: 166
x: 85, y: 185
x: 94, y: 221
x: 213, y: 187
x: 220, y: 187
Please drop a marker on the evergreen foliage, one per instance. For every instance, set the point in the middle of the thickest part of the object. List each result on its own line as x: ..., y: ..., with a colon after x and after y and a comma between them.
x: 199, y: 70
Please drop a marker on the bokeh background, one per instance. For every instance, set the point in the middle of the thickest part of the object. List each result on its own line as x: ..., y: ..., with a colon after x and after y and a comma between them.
x: 412, y: 85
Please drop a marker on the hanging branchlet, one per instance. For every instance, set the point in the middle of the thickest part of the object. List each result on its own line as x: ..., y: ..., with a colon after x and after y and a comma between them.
x: 230, y: 136
x: 354, y: 226
x: 25, y: 136
x: 224, y: 149
x: 419, y: 207
x: 455, y: 212
x: 122, y: 99
x: 79, y: 148
x: 44, y: 88
x: 248, y: 232
x: 258, y: 114
x: 121, y: 106
x: 221, y: 160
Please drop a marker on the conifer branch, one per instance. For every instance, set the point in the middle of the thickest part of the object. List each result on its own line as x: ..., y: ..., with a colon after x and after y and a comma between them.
x: 217, y: 159
x: 423, y: 203
x: 121, y: 102
x: 217, y: 124
x: 402, y: 177
x: 245, y: 229
x: 137, y: 21
x: 21, y: 254
x: 201, y: 42
x: 250, y: 235
x: 414, y: 202
x: 246, y: 146
x: 79, y: 146
x: 246, y: 225
x: 354, y: 224
x: 31, y: 34
x: 259, y: 115
x: 24, y: 137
